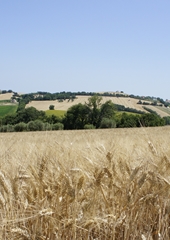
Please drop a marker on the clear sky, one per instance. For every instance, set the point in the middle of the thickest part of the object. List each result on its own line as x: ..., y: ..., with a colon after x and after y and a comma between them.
x: 85, y: 45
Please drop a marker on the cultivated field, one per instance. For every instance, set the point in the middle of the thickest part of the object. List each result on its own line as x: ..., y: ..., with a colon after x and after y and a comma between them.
x: 93, y: 184
x: 162, y: 111
x: 44, y: 105
x: 6, y: 96
x: 7, y: 109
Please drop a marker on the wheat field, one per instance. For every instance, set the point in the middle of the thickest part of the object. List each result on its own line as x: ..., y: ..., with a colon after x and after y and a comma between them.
x: 6, y: 96
x: 125, y: 101
x: 44, y: 105
x: 86, y: 184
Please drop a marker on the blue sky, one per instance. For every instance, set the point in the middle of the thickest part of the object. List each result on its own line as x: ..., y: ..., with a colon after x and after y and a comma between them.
x: 85, y: 45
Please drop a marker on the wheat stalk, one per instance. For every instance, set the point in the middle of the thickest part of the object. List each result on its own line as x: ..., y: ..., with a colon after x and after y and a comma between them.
x: 5, y: 184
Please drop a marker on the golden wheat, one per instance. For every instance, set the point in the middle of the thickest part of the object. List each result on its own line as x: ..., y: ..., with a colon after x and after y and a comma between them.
x: 98, y: 187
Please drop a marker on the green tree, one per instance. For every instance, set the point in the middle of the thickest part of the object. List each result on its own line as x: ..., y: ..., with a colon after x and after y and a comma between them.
x: 52, y: 119
x: 107, y: 110
x: 151, y: 120
x: 9, y: 119
x: 76, y: 117
x: 94, y: 104
x: 167, y: 120
x: 128, y: 121
x: 51, y: 107
x: 29, y: 114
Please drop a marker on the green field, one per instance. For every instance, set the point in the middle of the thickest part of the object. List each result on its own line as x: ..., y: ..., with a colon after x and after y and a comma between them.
x: 7, y: 109
x: 58, y: 113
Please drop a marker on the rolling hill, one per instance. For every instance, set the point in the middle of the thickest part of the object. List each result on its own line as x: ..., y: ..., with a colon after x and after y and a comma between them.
x: 128, y: 102
x: 125, y: 101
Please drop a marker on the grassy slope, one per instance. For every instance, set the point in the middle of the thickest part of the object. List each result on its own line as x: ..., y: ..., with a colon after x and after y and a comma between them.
x: 58, y: 113
x: 7, y: 109
x: 166, y: 110
x: 162, y: 111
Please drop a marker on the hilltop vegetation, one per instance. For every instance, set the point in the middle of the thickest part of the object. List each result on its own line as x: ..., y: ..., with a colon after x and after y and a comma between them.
x: 96, y: 111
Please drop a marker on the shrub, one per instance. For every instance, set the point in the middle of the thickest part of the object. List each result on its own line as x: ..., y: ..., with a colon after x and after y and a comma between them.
x: 3, y: 128
x: 51, y: 107
x: 7, y: 128
x: 47, y: 126
x: 36, y: 125
x: 40, y: 125
x: 89, y: 126
x: 57, y: 126
x: 32, y: 126
x: 20, y: 127
x: 10, y: 128
x: 108, y: 123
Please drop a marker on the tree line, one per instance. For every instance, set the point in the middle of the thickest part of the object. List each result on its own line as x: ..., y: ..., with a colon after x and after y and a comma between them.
x: 70, y: 96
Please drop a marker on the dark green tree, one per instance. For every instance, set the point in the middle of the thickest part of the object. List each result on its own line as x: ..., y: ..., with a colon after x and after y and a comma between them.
x: 9, y: 119
x: 76, y: 117
x: 51, y: 107
x: 94, y: 104
x: 151, y: 120
x: 29, y: 114
x: 52, y: 119
x: 167, y: 120
x: 107, y: 110
x: 128, y: 121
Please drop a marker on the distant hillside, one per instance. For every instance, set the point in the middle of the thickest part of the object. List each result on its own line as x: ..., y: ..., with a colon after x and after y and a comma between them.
x: 64, y: 100
x: 125, y: 101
